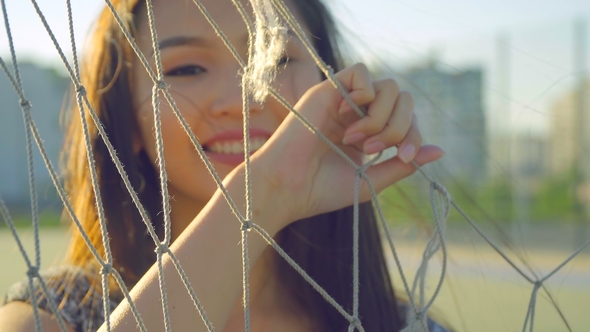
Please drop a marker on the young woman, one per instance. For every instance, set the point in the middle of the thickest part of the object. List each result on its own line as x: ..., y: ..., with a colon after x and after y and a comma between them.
x: 302, y: 190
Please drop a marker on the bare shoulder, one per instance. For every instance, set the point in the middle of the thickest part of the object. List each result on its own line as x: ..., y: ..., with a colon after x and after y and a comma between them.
x: 18, y: 316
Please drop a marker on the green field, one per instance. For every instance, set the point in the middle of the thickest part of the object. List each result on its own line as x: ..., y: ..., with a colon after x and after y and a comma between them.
x: 481, y: 292
x: 53, y: 241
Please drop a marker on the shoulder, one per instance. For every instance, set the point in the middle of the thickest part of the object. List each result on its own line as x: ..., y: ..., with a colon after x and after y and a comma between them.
x: 72, y: 290
x: 19, y: 316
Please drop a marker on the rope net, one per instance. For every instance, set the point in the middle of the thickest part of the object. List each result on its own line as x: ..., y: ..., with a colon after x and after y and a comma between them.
x: 267, y: 35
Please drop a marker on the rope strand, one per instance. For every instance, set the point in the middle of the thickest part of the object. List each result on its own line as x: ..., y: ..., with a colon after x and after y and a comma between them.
x: 266, y: 40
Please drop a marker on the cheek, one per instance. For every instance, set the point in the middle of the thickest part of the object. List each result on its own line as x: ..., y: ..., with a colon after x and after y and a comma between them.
x: 293, y: 83
x: 187, y: 103
x: 145, y: 122
x: 169, y: 127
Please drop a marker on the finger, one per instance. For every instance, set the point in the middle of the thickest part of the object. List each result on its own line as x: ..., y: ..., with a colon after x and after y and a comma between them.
x: 356, y: 80
x: 397, y: 128
x: 407, y: 149
x: 393, y: 170
x: 380, y: 110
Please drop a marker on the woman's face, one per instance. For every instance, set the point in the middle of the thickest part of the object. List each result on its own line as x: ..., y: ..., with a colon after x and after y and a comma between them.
x: 204, y: 80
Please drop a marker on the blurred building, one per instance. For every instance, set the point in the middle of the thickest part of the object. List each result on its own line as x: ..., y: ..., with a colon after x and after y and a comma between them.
x: 563, y: 139
x: 449, y: 107
x: 519, y: 154
x: 45, y: 89
x: 528, y: 155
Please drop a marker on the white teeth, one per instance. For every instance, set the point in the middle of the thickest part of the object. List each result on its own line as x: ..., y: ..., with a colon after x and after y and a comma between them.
x: 236, y: 147
x: 217, y: 147
x: 257, y: 143
x: 226, y: 147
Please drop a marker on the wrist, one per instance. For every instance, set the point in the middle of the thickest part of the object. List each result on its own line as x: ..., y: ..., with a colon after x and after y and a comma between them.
x: 267, y: 201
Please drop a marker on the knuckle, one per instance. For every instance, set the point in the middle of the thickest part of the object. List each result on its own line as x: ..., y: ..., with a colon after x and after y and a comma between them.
x: 418, y: 140
x: 373, y: 126
x: 371, y: 91
x: 361, y: 67
x: 391, y: 85
x: 407, y: 97
x: 367, y: 96
x: 394, y: 136
x: 418, y: 144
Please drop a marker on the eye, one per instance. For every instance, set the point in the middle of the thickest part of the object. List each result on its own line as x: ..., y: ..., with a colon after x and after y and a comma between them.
x: 283, y: 61
x: 186, y: 70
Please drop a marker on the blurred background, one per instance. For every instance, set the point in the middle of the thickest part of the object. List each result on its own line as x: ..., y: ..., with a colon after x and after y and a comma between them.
x: 502, y: 86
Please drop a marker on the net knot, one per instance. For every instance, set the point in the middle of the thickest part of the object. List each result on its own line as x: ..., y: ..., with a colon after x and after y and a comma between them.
x: 330, y: 71
x: 33, y: 272
x: 361, y: 170
x: 81, y: 90
x: 161, y: 85
x: 247, y: 226
x: 25, y: 103
x: 355, y: 321
x: 419, y: 315
x: 437, y: 186
x: 162, y: 248
x: 106, y: 269
x: 441, y: 189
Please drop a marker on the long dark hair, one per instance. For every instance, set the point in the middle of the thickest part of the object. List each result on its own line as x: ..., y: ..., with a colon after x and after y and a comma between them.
x: 321, y: 245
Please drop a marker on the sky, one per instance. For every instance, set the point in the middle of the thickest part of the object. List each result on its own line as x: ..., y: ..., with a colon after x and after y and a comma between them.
x: 456, y: 33
x: 460, y: 34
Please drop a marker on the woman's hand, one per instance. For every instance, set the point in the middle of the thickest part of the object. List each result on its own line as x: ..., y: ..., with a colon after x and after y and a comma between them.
x: 309, y: 177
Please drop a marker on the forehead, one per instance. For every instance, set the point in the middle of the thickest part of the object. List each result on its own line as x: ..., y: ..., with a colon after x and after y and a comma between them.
x: 183, y: 18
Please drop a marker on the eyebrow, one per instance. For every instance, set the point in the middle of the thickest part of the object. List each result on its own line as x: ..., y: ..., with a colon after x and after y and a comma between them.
x: 182, y: 41
x: 177, y: 41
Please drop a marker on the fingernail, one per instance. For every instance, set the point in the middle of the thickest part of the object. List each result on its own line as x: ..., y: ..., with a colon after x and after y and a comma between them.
x: 373, y: 147
x: 353, y: 138
x: 406, y: 154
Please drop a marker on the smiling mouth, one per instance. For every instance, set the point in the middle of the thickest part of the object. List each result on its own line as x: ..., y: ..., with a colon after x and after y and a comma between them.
x: 234, y: 147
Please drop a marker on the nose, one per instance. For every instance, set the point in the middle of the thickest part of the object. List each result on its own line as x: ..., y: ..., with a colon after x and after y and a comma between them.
x: 227, y: 96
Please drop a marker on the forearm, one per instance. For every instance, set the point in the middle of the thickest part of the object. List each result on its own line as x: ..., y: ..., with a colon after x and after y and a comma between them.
x: 209, y: 251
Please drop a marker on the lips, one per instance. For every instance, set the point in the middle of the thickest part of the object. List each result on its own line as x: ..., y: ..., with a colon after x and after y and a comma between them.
x: 228, y: 146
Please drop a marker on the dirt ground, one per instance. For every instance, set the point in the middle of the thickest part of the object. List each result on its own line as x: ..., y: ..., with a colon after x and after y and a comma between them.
x: 481, y: 291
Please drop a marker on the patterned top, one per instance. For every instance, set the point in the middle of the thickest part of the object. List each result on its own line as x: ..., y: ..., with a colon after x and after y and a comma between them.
x: 80, y: 303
